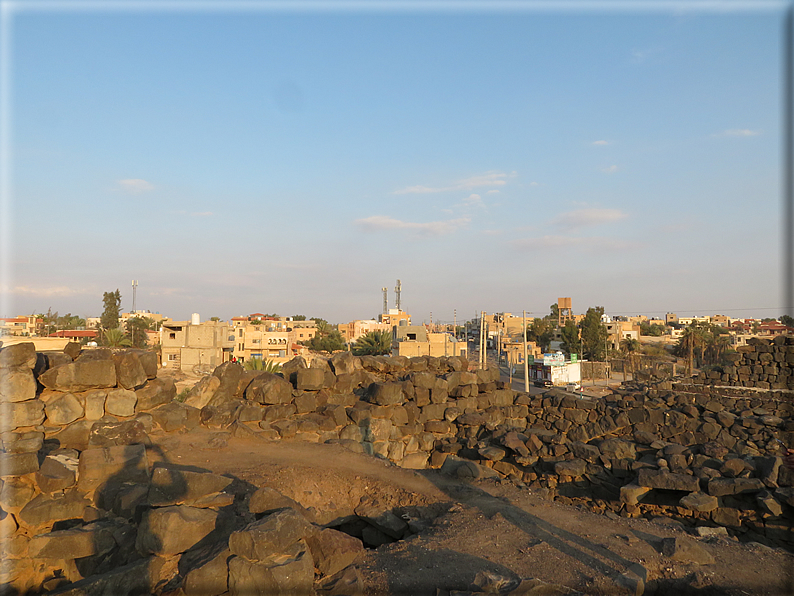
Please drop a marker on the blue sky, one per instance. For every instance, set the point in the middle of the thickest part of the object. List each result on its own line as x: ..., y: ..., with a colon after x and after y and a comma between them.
x: 297, y: 162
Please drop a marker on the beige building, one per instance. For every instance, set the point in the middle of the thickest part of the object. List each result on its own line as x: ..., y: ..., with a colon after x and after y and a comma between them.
x: 270, y: 338
x: 617, y: 331
x: 393, y: 317
x: 415, y: 340
x: 22, y: 326
x: 354, y: 330
x: 186, y: 344
x: 154, y: 316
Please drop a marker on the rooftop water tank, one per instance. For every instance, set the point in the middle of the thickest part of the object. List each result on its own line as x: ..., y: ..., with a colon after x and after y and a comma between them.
x: 195, y: 319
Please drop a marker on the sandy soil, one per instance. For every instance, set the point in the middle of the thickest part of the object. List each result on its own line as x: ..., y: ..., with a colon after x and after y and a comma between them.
x: 466, y: 527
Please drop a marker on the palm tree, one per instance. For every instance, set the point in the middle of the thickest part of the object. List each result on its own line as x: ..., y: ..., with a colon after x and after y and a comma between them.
x: 630, y: 345
x: 692, y: 337
x: 373, y: 343
x: 259, y: 364
x: 116, y: 338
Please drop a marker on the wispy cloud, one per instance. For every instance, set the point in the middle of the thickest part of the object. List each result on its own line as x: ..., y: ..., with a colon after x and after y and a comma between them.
x: 135, y: 185
x: 487, y: 179
x: 473, y: 199
x: 202, y: 214
x: 610, y: 170
x: 738, y: 132
x: 49, y: 291
x: 492, y: 192
x: 585, y: 218
x: 600, y: 142
x: 433, y: 228
x: 590, y: 244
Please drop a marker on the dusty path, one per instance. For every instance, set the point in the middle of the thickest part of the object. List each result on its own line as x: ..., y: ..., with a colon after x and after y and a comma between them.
x: 482, y: 525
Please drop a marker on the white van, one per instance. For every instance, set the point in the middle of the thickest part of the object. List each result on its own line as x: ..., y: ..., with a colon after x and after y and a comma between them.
x: 573, y: 387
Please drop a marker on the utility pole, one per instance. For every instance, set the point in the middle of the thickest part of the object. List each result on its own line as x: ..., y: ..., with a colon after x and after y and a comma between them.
x: 526, y: 362
x: 482, y: 339
x: 455, y: 323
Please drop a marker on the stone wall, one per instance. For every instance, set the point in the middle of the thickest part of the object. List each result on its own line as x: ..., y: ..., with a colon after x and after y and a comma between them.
x: 76, y: 440
x: 762, y: 363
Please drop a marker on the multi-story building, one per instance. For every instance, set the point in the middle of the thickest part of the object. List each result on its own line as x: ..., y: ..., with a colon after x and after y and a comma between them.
x: 26, y: 326
x: 186, y: 344
x: 393, y: 317
x: 354, y: 330
x: 617, y: 331
x: 270, y: 338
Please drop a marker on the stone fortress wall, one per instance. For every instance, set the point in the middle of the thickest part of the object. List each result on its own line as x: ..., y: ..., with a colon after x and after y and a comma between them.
x: 83, y: 498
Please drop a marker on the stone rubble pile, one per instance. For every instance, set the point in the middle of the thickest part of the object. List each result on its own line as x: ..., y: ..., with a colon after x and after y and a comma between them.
x: 87, y: 506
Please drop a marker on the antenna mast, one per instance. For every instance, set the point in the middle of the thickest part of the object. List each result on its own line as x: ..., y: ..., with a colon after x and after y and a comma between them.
x: 134, y: 288
x: 397, y: 292
x: 385, y: 301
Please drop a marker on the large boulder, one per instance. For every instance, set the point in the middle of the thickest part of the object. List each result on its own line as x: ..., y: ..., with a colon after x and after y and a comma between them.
x: 121, y: 402
x: 64, y: 409
x: 271, y: 389
x: 108, y: 433
x: 129, y: 370
x: 291, y: 575
x: 309, y: 379
x: 156, y: 392
x: 272, y: 535
x: 21, y: 414
x: 201, y: 393
x: 17, y: 384
x: 172, y: 485
x: 332, y: 550
x: 80, y: 375
x: 172, y: 530
x: 18, y: 356
x: 229, y: 374
x: 344, y: 363
x: 175, y: 416
x: 119, y: 463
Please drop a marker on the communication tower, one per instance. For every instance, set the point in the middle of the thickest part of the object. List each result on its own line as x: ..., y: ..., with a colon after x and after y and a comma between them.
x: 397, y: 292
x: 385, y: 301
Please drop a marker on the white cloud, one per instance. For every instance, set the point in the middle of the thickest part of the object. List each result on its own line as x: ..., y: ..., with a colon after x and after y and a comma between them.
x: 533, y: 183
x: 589, y: 244
x: 135, y: 185
x: 582, y: 218
x: 473, y: 199
x: 487, y: 179
x: 738, y: 132
x: 51, y: 291
x: 492, y: 192
x: 202, y: 214
x: 433, y: 228
x: 600, y: 142
x: 610, y: 170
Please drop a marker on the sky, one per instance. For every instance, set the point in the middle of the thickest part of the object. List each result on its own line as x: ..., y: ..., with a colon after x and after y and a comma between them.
x: 259, y: 158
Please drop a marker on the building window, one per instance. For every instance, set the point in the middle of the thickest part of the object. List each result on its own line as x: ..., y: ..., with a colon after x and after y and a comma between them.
x: 172, y: 336
x: 172, y: 356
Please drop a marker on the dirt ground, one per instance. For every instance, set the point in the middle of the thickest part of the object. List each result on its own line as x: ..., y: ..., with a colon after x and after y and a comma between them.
x: 469, y: 526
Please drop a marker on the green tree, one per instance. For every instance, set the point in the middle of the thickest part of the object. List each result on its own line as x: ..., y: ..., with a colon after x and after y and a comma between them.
x: 692, y: 338
x: 330, y: 342
x: 69, y: 321
x: 652, y: 330
x: 594, y: 334
x: 115, y: 338
x: 787, y: 320
x: 630, y: 345
x: 256, y: 363
x: 541, y: 331
x: 137, y: 328
x: 216, y: 319
x: 374, y: 343
x: 570, y: 337
x: 110, y: 316
x: 298, y: 317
